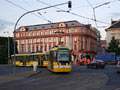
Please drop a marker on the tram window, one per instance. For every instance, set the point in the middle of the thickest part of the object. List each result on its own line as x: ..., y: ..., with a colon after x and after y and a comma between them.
x: 35, y: 57
x: 45, y: 57
x: 53, y: 55
x: 29, y: 58
x: 63, y: 56
x: 19, y: 58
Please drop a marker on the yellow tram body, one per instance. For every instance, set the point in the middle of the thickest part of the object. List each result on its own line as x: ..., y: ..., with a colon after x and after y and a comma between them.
x: 29, y: 59
x: 60, y: 60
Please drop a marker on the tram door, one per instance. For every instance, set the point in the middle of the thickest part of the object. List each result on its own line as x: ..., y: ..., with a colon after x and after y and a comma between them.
x: 24, y: 61
x: 40, y: 61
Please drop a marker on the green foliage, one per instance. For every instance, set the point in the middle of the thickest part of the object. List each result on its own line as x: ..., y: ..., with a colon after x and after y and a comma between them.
x: 4, y: 49
x: 113, y: 46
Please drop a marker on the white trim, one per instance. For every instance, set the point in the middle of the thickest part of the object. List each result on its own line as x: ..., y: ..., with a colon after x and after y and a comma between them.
x: 62, y: 66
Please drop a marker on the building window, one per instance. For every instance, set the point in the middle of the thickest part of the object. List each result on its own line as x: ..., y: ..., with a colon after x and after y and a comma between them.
x: 22, y: 41
x: 37, y: 49
x: 41, y: 48
x: 29, y: 49
x: 41, y: 33
x: 75, y: 39
x: 75, y: 47
x: 67, y: 31
x: 50, y: 32
x: 81, y: 30
x: 81, y: 38
x: 63, y: 30
x: 70, y: 31
x: 85, y: 30
x: 45, y: 32
x: 33, y: 34
x: 45, y: 48
x: 22, y: 49
x: 37, y: 34
x: 49, y: 47
x: 76, y: 30
x: 32, y: 49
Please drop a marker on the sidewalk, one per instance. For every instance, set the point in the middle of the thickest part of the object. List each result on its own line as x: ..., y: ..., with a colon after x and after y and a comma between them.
x: 11, y: 77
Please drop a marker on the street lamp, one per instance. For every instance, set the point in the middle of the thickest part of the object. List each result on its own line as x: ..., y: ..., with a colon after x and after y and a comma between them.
x: 8, y: 45
x: 69, y: 6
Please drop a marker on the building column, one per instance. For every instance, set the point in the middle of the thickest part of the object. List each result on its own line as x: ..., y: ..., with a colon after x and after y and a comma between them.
x: 43, y: 45
x: 26, y: 45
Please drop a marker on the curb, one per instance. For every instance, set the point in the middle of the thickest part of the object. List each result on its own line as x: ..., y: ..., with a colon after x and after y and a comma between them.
x: 33, y: 74
x: 18, y: 76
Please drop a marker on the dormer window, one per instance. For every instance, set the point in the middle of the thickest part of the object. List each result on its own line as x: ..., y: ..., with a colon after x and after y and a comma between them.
x: 43, y: 27
x: 72, y: 24
x: 22, y: 29
x: 35, y: 27
x: 61, y: 25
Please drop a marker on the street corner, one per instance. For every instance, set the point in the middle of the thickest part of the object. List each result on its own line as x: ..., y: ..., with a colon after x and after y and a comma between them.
x: 26, y: 74
x: 17, y: 76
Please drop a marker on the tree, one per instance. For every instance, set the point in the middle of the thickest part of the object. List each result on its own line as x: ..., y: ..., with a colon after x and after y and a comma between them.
x: 4, y: 49
x: 113, y: 46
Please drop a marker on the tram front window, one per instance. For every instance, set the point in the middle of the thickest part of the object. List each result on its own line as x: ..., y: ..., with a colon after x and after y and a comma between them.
x: 63, y: 56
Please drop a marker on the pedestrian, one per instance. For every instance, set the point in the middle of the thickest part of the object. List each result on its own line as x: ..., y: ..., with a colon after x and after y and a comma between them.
x: 88, y: 61
x: 80, y: 61
x: 85, y: 61
x: 93, y: 59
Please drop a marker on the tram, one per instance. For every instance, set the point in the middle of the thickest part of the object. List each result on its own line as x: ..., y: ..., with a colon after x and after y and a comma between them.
x: 29, y: 59
x: 60, y: 60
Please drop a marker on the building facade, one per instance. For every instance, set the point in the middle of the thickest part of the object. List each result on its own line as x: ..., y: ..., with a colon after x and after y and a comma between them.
x: 103, y: 45
x: 113, y: 30
x: 82, y: 39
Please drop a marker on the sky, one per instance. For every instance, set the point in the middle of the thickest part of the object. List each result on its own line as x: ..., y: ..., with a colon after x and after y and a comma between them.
x: 82, y: 11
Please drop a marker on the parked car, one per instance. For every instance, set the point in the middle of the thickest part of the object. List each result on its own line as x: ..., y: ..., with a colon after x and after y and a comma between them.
x: 96, y: 64
x: 118, y: 67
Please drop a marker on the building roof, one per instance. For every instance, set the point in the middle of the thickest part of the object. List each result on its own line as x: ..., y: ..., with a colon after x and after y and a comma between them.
x: 53, y: 25
x: 116, y: 24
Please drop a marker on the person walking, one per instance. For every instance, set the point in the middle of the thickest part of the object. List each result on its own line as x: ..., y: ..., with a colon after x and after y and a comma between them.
x: 80, y: 61
x: 88, y: 61
x: 93, y: 59
x: 85, y: 61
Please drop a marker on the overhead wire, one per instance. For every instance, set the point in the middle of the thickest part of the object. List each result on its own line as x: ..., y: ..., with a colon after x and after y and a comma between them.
x: 73, y: 13
x: 25, y: 10
x: 93, y: 12
x: 37, y: 12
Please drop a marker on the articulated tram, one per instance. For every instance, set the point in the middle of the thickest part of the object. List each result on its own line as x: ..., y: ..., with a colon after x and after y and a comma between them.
x: 60, y: 60
x: 30, y: 59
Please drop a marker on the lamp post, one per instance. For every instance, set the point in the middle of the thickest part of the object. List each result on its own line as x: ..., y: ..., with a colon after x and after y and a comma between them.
x: 8, y: 45
x: 69, y: 6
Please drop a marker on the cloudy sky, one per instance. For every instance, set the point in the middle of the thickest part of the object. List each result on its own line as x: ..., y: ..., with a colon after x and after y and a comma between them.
x: 82, y: 11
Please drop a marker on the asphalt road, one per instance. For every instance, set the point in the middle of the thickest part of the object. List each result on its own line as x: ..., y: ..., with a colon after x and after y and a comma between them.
x: 81, y: 78
x: 6, y: 69
x: 113, y: 78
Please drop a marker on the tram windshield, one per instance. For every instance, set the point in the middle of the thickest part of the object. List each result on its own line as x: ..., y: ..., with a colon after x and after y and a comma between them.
x: 63, y: 55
